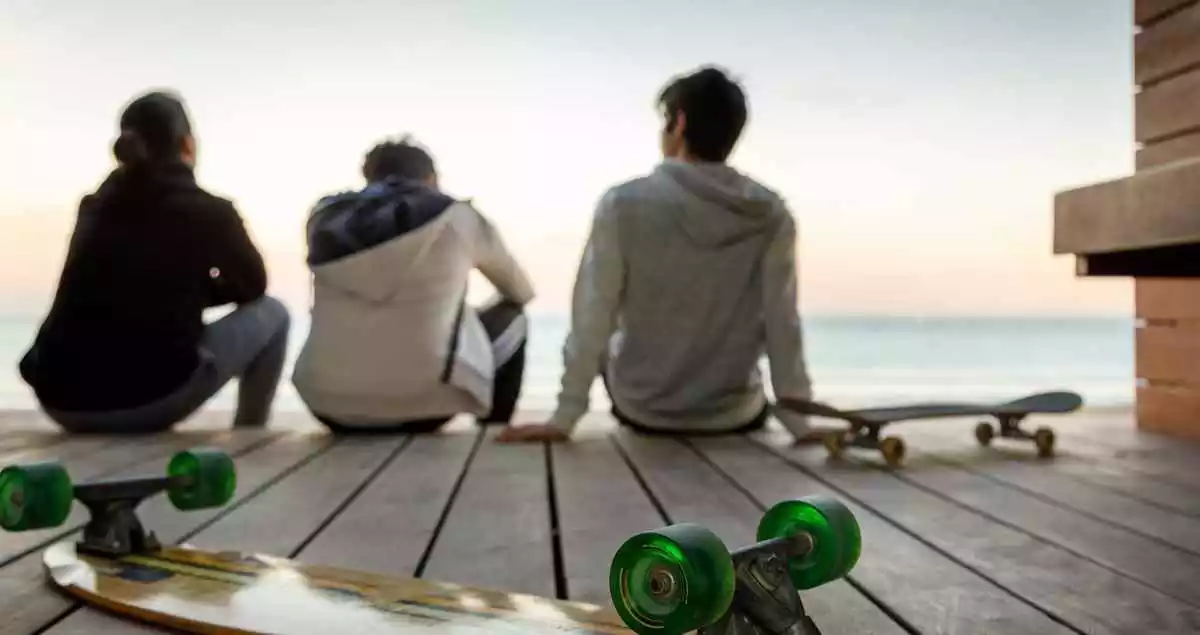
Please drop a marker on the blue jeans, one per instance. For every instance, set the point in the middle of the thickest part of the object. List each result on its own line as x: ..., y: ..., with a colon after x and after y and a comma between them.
x: 249, y: 344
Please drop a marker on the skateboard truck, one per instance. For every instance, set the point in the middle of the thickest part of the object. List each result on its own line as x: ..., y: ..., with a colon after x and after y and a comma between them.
x: 681, y: 578
x: 40, y: 495
x: 1010, y: 428
x: 114, y: 528
x: 765, y: 602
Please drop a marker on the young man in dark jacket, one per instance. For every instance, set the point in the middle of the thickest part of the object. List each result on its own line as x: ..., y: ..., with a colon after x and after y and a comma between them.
x: 124, y: 347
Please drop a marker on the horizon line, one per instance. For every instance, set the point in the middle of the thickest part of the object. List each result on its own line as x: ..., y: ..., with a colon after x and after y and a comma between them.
x: 6, y: 315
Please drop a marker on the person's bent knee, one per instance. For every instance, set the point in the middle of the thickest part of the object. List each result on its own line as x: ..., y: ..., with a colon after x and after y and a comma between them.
x: 272, y: 311
x: 511, y: 310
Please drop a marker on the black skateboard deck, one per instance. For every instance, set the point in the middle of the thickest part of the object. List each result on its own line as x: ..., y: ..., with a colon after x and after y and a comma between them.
x: 866, y: 423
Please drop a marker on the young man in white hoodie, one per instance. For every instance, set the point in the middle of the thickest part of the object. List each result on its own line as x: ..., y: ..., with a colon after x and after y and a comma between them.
x: 688, y: 277
x: 393, y: 346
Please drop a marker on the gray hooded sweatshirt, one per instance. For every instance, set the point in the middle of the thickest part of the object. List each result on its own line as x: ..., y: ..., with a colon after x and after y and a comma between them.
x: 688, y: 278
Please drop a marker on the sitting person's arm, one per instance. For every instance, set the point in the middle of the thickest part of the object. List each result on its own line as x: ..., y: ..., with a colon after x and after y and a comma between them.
x: 785, y: 344
x: 237, y: 273
x: 594, y: 306
x: 498, y: 265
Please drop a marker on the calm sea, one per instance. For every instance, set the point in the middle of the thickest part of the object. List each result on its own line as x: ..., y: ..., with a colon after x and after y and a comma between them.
x: 855, y: 361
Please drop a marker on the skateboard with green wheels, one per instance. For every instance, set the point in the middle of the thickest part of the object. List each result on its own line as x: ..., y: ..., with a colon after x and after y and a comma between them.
x: 682, y: 577
x: 670, y: 581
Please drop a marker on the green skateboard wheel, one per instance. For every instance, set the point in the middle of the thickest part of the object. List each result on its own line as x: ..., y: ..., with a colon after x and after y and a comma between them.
x: 837, y: 540
x: 201, y: 478
x: 671, y: 581
x: 34, y: 496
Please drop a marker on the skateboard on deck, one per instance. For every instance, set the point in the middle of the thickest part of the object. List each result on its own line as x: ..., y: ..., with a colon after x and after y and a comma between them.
x: 866, y: 424
x: 669, y: 581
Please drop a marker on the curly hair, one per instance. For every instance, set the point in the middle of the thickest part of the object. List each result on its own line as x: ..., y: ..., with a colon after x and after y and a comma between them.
x: 398, y: 159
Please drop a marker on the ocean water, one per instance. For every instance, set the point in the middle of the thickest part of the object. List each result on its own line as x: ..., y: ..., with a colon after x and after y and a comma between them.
x: 854, y: 360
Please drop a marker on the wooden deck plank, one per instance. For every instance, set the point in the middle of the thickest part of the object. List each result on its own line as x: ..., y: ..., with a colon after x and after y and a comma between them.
x: 922, y: 585
x: 284, y: 517
x: 691, y: 491
x: 1096, y: 468
x: 257, y: 470
x: 600, y: 505
x: 1079, y: 456
x: 278, y: 521
x: 1040, y: 479
x: 1100, y: 503
x: 404, y: 504
x: 1119, y: 431
x: 28, y: 603
x: 20, y: 440
x: 1106, y: 442
x: 1134, y: 484
x: 62, y: 452
x: 497, y: 533
x: 1123, y: 446
x: 1092, y: 598
x: 1169, y: 570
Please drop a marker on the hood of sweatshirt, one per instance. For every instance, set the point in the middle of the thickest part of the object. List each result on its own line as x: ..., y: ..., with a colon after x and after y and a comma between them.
x: 719, y: 206
x: 363, y: 242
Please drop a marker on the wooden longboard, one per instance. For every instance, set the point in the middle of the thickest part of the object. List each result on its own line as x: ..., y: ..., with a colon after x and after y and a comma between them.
x: 199, y: 591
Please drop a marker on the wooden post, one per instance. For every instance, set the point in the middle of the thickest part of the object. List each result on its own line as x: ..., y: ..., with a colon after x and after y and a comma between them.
x: 1167, y: 131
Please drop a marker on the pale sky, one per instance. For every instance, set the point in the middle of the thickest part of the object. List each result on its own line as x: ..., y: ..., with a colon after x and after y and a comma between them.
x: 919, y: 143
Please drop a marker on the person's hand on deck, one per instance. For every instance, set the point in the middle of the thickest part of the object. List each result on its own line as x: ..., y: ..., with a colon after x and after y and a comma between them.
x: 532, y: 433
x: 794, y: 415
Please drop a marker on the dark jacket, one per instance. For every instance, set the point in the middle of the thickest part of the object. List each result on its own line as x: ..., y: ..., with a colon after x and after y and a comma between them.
x: 150, y: 252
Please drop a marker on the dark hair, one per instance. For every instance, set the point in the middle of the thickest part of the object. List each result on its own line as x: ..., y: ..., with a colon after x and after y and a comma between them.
x: 398, y: 159
x: 153, y: 128
x: 714, y: 107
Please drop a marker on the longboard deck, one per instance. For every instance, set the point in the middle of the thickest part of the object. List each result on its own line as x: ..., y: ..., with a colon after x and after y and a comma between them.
x: 205, y: 592
x: 1041, y: 403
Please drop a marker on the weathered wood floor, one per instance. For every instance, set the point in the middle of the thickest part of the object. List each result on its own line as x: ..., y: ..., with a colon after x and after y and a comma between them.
x: 1103, y: 539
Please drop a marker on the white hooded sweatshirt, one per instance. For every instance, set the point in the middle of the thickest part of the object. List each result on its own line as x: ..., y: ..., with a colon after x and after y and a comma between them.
x: 392, y: 338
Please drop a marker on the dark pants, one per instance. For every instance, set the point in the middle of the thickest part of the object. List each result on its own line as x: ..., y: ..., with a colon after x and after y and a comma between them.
x: 756, y: 423
x: 249, y: 344
x: 507, y: 328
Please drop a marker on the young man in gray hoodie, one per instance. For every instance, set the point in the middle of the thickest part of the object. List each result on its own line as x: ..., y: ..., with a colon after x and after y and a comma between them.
x: 687, y: 279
